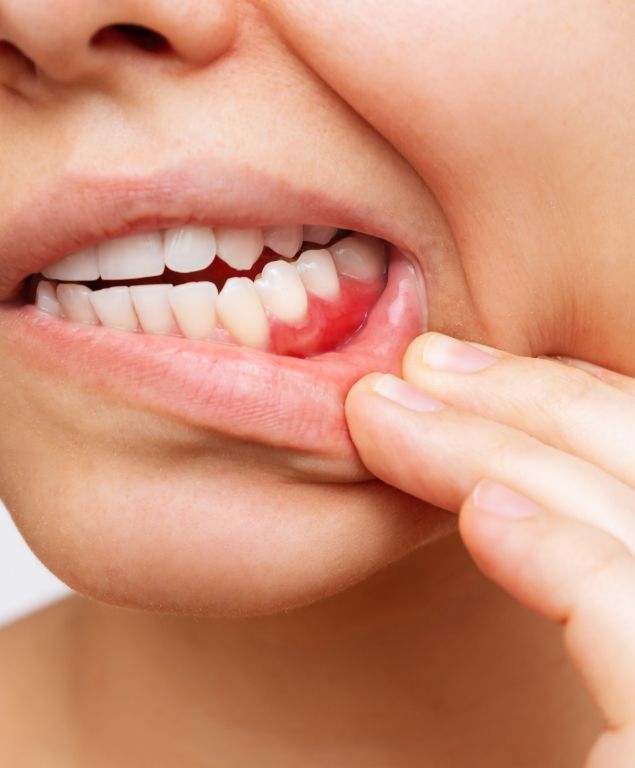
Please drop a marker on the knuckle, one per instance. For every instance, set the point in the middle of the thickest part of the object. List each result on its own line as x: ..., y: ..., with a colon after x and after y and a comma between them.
x: 561, y: 390
x: 514, y: 450
x: 603, y: 570
x: 615, y: 747
x: 556, y: 396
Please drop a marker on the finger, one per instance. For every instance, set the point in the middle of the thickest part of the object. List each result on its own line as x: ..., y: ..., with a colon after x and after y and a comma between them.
x: 570, y: 572
x: 439, y: 454
x: 560, y: 405
x: 613, y: 379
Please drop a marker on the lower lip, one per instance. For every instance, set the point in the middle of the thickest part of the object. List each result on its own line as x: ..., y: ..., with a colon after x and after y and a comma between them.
x: 282, y: 402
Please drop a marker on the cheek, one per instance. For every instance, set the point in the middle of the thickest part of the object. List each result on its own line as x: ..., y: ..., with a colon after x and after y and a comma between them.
x: 489, y: 102
x: 195, y: 532
x: 449, y: 81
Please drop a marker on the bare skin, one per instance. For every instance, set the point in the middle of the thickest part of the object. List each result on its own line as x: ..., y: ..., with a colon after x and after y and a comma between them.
x: 516, y: 190
x: 426, y: 663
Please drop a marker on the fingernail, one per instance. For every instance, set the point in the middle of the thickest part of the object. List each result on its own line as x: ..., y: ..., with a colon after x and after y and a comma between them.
x: 399, y: 391
x: 443, y: 353
x: 501, y: 501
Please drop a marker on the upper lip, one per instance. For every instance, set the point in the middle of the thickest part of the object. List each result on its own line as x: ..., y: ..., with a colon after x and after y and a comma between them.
x: 74, y: 212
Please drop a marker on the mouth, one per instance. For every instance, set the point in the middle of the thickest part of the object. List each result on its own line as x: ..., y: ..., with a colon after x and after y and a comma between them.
x: 234, y: 325
x: 289, y: 290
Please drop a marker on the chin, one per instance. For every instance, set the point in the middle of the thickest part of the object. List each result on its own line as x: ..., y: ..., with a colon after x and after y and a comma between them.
x: 168, y: 541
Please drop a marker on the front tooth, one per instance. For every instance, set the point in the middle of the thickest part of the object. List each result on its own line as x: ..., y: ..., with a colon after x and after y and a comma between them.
x: 82, y: 265
x: 318, y: 234
x: 285, y: 241
x: 46, y: 300
x: 152, y: 305
x: 128, y: 258
x: 189, y: 249
x: 282, y: 292
x: 114, y: 307
x: 360, y: 256
x: 194, y: 306
x: 318, y: 273
x: 75, y: 302
x: 241, y: 312
x: 239, y: 248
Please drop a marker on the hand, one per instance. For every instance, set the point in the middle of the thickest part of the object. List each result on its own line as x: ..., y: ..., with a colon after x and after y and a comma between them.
x: 538, y: 457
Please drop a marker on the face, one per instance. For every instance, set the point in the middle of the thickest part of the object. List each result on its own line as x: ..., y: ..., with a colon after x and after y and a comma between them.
x: 441, y: 166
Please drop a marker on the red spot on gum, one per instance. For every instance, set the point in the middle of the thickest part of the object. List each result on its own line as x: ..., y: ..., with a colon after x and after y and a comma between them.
x: 329, y: 324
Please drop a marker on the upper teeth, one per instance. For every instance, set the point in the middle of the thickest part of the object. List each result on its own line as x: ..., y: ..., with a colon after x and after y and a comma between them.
x: 240, y: 248
x: 185, y: 249
x: 189, y: 249
x: 286, y: 241
x: 129, y: 258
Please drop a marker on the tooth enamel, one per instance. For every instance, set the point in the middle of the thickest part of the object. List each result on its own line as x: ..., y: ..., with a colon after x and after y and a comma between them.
x: 194, y: 306
x: 152, y: 305
x: 114, y: 307
x: 318, y: 273
x: 284, y: 240
x: 78, y: 266
x: 282, y: 292
x: 128, y: 258
x: 46, y: 300
x: 318, y: 234
x: 75, y: 302
x: 189, y: 249
x: 241, y: 312
x: 360, y: 256
x: 239, y: 248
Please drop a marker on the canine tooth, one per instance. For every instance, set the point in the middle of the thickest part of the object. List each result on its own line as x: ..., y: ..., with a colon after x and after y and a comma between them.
x: 318, y: 273
x: 318, y: 234
x: 189, y: 249
x: 82, y: 265
x: 241, y: 312
x: 282, y: 292
x: 75, y: 302
x: 239, y: 248
x: 46, y: 300
x: 152, y: 305
x: 114, y: 307
x: 360, y: 256
x: 284, y: 240
x: 194, y: 306
x: 128, y: 258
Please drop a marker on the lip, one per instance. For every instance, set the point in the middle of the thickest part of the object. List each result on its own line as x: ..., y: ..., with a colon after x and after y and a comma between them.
x: 74, y: 212
x: 285, y: 403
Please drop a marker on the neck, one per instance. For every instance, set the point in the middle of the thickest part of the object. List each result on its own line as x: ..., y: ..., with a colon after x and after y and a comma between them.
x: 388, y: 672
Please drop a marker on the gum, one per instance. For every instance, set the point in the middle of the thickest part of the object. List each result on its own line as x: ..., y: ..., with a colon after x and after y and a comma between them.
x: 329, y: 324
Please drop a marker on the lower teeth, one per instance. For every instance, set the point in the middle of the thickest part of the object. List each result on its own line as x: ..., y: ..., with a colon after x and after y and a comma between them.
x: 301, y: 308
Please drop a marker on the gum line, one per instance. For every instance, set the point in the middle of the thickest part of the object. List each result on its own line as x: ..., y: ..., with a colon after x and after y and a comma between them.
x: 328, y: 325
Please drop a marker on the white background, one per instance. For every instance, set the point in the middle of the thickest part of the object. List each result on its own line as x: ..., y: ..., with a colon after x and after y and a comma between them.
x: 25, y: 584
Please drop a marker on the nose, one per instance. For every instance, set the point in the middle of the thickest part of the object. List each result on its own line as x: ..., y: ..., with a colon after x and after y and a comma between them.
x: 68, y: 39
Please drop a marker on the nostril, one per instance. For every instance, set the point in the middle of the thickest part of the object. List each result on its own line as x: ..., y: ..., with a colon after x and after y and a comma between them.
x: 131, y: 34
